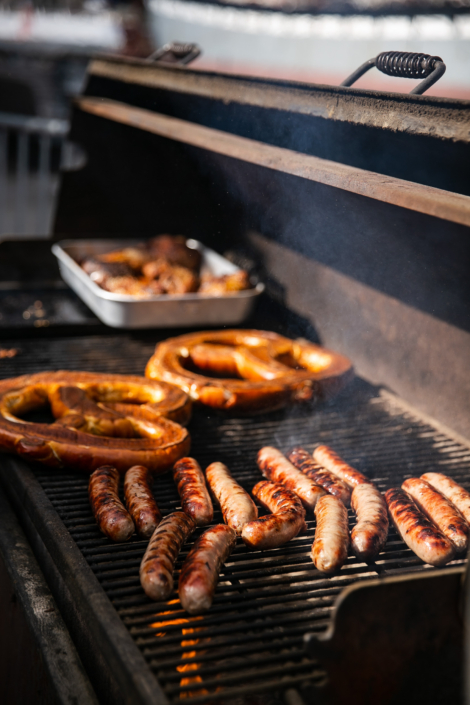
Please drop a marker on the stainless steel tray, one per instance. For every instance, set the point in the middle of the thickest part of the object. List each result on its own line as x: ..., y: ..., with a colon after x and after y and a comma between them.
x: 165, y: 311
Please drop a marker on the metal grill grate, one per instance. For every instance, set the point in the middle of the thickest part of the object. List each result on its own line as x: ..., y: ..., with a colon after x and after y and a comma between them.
x: 251, y: 641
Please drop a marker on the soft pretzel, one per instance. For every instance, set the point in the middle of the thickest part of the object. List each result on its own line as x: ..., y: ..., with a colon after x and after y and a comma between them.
x: 253, y: 370
x: 101, y: 419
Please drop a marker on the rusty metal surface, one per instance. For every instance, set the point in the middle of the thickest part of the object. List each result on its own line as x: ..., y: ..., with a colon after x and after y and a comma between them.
x: 398, y: 640
x: 421, y: 115
x: 416, y: 197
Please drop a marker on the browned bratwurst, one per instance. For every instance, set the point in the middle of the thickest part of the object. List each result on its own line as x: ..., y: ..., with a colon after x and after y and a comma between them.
x: 140, y: 502
x: 437, y: 508
x: 200, y: 571
x: 327, y: 458
x: 277, y: 468
x: 285, y: 522
x: 110, y: 513
x: 158, y: 563
x: 419, y: 534
x: 451, y: 489
x: 304, y: 462
x: 237, y: 506
x: 330, y: 548
x: 370, y: 533
x: 195, y: 499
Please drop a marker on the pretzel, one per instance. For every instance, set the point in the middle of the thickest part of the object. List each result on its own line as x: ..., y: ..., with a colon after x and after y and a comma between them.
x: 270, y: 370
x: 101, y: 419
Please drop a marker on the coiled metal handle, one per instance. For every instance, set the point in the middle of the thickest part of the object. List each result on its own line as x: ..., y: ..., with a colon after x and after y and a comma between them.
x: 405, y: 65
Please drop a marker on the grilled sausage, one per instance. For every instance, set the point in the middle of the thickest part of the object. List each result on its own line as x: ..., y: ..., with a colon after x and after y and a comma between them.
x: 111, y: 515
x: 195, y: 499
x: 437, y: 508
x: 277, y: 468
x: 327, y: 458
x: 237, y: 506
x: 304, y: 462
x: 419, y: 534
x: 330, y: 547
x: 200, y: 571
x: 285, y: 522
x: 370, y: 533
x: 451, y: 489
x: 158, y: 563
x: 140, y: 502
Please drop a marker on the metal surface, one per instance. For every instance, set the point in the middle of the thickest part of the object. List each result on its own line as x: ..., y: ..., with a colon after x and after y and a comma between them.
x: 423, y: 199
x: 251, y: 641
x: 395, y: 640
x: 419, y: 115
x: 165, y: 311
x: 33, y: 638
x: 405, y: 65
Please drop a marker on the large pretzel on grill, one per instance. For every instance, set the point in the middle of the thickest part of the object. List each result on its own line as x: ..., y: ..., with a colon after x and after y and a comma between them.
x: 101, y: 419
x: 270, y: 371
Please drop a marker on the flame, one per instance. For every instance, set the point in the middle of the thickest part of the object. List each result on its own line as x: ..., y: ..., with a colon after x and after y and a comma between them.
x: 184, y: 667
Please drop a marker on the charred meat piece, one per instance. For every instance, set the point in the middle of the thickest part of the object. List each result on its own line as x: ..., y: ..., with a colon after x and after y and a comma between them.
x: 140, y: 501
x: 191, y: 486
x: 277, y: 468
x: 174, y: 249
x: 110, y: 514
x: 304, y: 462
x: 237, y: 506
x: 370, y: 533
x: 285, y: 522
x: 227, y: 284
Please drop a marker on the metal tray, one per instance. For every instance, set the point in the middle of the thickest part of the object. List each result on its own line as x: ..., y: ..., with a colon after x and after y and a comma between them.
x: 165, y: 311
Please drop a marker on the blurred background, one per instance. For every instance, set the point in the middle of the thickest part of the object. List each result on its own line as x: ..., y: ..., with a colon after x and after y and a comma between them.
x: 45, y: 48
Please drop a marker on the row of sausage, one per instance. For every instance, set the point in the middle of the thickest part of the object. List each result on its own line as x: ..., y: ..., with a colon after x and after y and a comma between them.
x: 430, y: 514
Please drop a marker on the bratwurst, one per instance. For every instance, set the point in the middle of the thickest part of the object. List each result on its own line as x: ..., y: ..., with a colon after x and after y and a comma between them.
x: 200, y: 572
x: 158, y: 563
x: 191, y: 486
x: 237, y: 506
x: 277, y: 468
x: 419, y: 534
x: 451, y: 489
x: 285, y: 522
x: 111, y: 515
x: 330, y: 547
x: 327, y: 458
x: 304, y: 462
x: 370, y: 533
x: 437, y: 508
x: 140, y: 502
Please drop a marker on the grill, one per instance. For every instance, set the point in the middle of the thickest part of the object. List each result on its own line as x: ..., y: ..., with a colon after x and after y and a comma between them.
x: 370, y: 257
x: 252, y: 640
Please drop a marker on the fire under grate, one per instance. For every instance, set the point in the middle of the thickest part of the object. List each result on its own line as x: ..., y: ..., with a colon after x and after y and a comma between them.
x: 251, y: 641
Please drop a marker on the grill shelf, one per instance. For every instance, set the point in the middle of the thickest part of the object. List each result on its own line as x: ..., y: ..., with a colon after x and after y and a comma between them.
x: 251, y: 641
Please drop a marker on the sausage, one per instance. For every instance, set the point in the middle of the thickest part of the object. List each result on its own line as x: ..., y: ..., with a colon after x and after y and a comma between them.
x: 237, y: 506
x: 330, y: 547
x: 285, y: 522
x: 327, y: 458
x: 369, y: 535
x: 451, y: 489
x: 111, y: 515
x: 277, y: 468
x: 195, y: 499
x: 304, y: 462
x: 437, y: 508
x: 140, y: 502
x: 419, y: 534
x: 158, y: 563
x: 200, y: 572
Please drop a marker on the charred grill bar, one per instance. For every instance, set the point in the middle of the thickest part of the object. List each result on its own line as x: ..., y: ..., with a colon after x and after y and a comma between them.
x: 344, y: 262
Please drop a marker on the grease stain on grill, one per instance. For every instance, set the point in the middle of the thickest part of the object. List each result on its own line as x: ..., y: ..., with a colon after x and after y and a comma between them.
x: 251, y: 641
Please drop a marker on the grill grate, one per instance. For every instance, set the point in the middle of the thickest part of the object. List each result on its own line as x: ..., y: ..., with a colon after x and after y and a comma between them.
x: 251, y: 641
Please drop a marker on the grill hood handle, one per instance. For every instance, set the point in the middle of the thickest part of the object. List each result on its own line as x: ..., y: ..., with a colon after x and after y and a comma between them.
x: 405, y: 65
x: 175, y: 53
